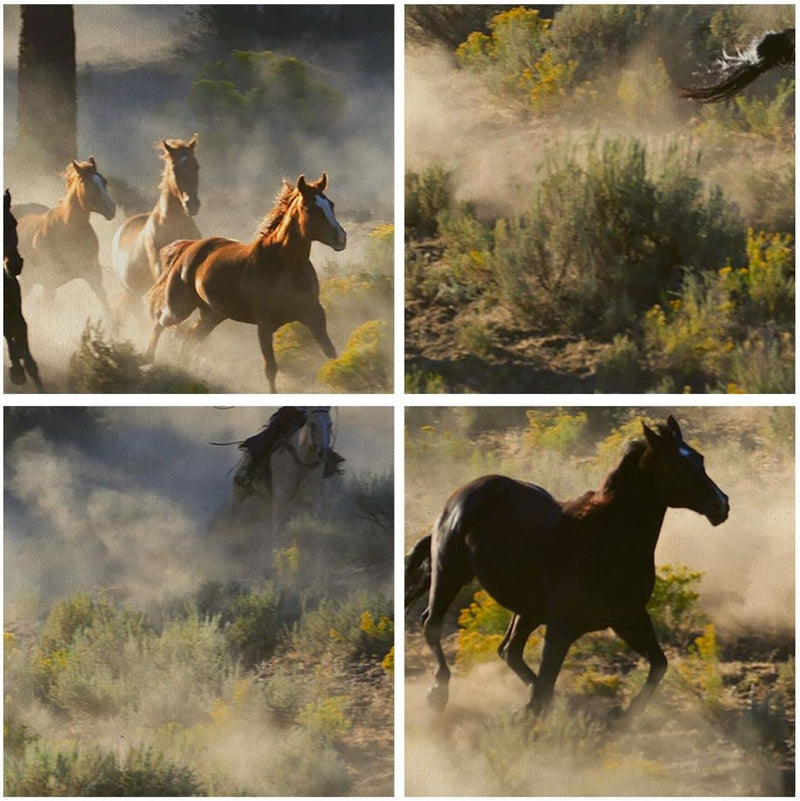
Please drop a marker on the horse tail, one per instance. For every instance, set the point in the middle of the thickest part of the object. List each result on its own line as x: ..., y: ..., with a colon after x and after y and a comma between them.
x: 418, y: 570
x: 157, y: 294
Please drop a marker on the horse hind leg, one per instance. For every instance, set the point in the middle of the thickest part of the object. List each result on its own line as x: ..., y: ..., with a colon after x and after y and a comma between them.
x: 513, y: 645
x: 444, y: 588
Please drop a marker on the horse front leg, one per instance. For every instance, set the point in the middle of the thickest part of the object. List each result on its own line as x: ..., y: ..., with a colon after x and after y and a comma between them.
x: 265, y: 334
x: 317, y: 324
x: 16, y: 371
x: 95, y: 281
x: 638, y: 632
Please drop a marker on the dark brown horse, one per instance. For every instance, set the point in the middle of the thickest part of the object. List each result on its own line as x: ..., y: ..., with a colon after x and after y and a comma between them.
x: 61, y: 244
x: 575, y: 567
x: 267, y: 283
x: 136, y: 245
x: 15, y: 329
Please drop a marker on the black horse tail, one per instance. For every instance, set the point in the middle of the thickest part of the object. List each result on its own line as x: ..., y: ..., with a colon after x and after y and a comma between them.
x: 418, y: 570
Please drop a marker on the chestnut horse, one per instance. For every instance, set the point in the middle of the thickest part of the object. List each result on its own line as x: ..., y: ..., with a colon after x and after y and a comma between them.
x: 575, y: 567
x: 60, y: 244
x: 15, y: 329
x: 136, y: 245
x: 267, y: 283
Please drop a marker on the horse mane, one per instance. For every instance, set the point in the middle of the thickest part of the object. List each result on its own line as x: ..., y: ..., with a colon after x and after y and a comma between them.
x: 71, y: 173
x: 272, y: 219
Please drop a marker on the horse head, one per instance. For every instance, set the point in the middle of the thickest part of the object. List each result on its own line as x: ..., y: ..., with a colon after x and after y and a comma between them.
x: 680, y: 473
x: 316, y: 434
x: 182, y: 172
x: 91, y: 188
x: 12, y: 261
x: 318, y: 221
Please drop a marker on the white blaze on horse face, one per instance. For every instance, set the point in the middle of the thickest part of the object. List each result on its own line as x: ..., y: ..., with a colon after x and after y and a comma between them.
x: 325, y: 205
x: 106, y: 198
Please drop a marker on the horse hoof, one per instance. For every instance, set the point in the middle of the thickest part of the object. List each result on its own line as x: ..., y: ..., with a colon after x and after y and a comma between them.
x: 437, y: 697
x: 17, y: 373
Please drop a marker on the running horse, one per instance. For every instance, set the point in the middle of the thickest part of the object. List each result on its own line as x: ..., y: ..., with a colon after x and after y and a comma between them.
x: 61, y: 244
x: 296, y: 444
x: 576, y: 567
x: 15, y: 329
x: 267, y: 283
x: 136, y: 245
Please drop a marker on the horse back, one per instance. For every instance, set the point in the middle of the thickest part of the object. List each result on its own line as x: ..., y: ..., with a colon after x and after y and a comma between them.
x: 501, y: 526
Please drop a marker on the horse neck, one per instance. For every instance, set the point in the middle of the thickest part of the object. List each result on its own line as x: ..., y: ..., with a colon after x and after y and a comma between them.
x: 289, y: 237
x: 168, y: 204
x: 630, y: 495
x: 70, y: 209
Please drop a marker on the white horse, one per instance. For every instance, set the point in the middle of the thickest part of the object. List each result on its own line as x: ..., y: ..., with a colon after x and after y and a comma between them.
x: 294, y: 471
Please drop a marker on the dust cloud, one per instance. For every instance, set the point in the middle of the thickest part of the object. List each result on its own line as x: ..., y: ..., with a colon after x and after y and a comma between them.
x: 131, y: 506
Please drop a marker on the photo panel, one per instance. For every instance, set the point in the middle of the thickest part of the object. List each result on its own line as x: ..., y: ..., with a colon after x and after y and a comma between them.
x: 199, y: 601
x: 222, y: 173
x: 599, y: 198
x: 532, y: 539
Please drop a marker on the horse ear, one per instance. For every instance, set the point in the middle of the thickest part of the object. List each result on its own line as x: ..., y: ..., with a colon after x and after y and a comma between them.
x: 167, y: 148
x: 301, y: 184
x: 323, y: 182
x: 75, y: 164
x: 192, y: 142
x: 653, y: 440
x: 673, y: 426
x: 92, y: 162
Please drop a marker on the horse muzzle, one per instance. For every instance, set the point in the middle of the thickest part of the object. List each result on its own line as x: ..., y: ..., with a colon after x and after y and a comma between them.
x: 13, y: 265
x: 191, y: 205
x: 110, y: 212
x: 719, y: 510
x: 338, y: 241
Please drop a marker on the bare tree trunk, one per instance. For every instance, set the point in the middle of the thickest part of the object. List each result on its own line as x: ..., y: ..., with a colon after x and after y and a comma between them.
x: 47, y: 96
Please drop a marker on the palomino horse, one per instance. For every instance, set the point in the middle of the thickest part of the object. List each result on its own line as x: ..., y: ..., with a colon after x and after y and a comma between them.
x: 61, y: 244
x: 15, y: 329
x: 267, y: 283
x: 576, y: 567
x: 137, y: 243
x: 296, y: 455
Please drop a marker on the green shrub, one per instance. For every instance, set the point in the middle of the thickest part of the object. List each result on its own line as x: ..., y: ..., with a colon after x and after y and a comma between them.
x: 427, y: 195
x: 326, y: 719
x: 555, y: 428
x: 264, y: 89
x: 481, y: 628
x: 365, y: 364
x: 618, y: 366
x: 102, y: 366
x: 601, y: 241
x: 769, y: 117
x: 673, y: 604
x: 732, y: 328
x: 81, y: 630
x: 418, y: 380
x: 351, y: 630
x: 49, y: 772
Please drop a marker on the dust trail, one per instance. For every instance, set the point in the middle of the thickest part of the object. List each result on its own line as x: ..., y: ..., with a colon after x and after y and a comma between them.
x: 128, y: 508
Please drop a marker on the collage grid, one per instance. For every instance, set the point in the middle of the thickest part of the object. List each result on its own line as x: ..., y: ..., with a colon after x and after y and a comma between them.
x: 471, y: 429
